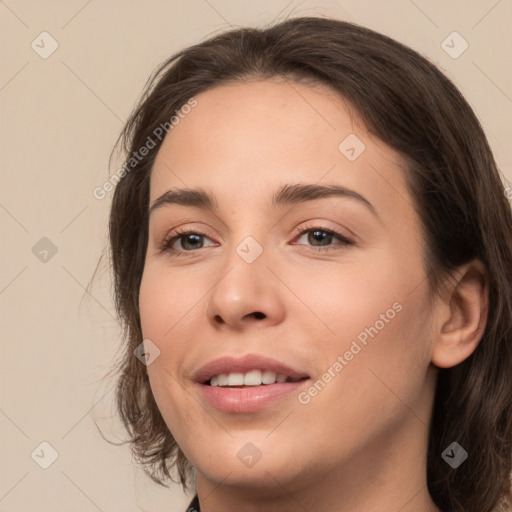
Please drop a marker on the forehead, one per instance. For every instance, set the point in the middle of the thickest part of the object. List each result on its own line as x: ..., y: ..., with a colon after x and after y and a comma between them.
x: 240, y: 119
x: 245, y: 137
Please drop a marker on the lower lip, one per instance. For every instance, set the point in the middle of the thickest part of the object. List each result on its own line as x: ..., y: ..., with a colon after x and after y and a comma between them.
x: 250, y: 398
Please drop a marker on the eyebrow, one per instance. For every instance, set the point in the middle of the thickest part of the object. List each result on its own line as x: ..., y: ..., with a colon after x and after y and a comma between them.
x: 289, y: 194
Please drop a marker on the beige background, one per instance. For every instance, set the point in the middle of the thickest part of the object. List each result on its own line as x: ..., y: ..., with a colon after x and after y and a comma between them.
x: 60, y: 118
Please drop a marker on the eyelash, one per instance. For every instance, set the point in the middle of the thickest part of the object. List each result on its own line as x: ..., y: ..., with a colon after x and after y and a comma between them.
x: 166, y: 244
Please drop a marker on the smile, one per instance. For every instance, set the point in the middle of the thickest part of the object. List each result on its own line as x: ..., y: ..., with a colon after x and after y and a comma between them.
x: 247, y: 384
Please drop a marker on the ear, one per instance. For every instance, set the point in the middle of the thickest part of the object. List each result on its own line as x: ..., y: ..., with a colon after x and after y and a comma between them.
x: 461, y: 315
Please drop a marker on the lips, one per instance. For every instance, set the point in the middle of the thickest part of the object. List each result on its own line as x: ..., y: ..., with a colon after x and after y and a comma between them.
x: 240, y: 398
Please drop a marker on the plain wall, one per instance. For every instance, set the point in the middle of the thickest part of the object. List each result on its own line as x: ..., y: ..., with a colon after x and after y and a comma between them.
x: 60, y: 117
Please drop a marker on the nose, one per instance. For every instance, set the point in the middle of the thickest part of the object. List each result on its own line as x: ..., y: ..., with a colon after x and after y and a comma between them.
x: 246, y: 295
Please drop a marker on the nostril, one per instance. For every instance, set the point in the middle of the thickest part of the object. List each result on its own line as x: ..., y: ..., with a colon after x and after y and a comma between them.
x: 259, y: 315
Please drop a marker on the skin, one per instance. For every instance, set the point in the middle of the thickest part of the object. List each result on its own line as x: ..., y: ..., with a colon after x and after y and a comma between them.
x: 361, y: 442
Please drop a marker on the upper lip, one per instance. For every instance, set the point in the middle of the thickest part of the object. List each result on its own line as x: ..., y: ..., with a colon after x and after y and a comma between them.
x: 244, y: 364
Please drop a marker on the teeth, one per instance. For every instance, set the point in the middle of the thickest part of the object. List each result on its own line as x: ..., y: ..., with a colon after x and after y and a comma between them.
x: 252, y: 378
x: 268, y: 377
x: 236, y: 379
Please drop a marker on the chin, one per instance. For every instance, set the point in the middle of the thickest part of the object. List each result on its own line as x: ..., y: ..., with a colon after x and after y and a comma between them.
x: 250, y: 464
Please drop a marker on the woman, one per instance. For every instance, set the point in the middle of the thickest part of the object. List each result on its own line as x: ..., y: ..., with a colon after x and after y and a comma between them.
x: 312, y: 247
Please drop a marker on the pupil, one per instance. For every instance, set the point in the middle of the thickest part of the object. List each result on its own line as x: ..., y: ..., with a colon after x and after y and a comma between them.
x: 322, y: 236
x: 191, y: 236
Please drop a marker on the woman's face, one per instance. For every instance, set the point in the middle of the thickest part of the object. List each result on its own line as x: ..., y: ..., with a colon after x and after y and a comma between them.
x: 248, y: 297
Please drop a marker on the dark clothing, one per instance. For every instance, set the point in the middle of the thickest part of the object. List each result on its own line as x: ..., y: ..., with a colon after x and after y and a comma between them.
x: 194, y: 505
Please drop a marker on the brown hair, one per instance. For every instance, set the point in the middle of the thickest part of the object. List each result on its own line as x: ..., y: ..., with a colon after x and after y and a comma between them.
x: 409, y: 104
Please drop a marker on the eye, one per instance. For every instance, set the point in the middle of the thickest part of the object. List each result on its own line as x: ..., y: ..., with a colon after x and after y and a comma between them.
x: 321, y: 238
x: 190, y: 241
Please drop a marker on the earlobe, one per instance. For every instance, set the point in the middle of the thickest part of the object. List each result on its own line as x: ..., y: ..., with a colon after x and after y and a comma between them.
x: 462, y: 315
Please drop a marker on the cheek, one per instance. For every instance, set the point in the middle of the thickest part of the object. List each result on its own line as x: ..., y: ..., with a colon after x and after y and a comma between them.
x: 349, y: 300
x: 160, y: 310
x: 376, y: 387
x: 166, y: 302
x: 385, y: 354
x: 169, y: 308
x: 375, y: 339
